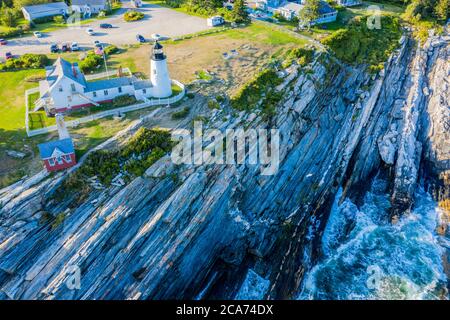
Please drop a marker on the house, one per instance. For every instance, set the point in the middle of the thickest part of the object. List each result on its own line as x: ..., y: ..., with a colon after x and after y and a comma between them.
x: 45, y: 10
x: 88, y: 7
x: 215, y: 21
x: 265, y: 5
x: 348, y: 3
x: 65, y: 87
x: 290, y: 10
x: 58, y: 155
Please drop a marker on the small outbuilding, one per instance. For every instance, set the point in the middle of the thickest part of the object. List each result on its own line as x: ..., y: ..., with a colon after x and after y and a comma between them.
x: 58, y: 155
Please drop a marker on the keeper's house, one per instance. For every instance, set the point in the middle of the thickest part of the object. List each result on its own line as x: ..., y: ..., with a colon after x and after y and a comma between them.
x: 65, y: 86
x: 40, y: 11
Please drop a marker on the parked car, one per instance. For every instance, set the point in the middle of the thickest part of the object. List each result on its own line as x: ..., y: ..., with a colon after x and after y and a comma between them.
x: 3, y: 42
x: 8, y: 55
x: 90, y: 31
x: 140, y: 38
x: 65, y: 47
x: 97, y: 44
x: 54, y: 48
x: 75, y: 46
x: 37, y: 34
x: 106, y: 26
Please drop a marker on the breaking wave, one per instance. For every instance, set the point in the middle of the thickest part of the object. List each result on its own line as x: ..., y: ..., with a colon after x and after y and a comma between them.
x: 367, y: 257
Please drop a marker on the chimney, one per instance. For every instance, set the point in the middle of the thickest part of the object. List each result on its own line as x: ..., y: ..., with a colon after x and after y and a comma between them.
x: 74, y: 70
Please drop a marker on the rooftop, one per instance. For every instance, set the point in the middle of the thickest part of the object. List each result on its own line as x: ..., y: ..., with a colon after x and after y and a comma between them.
x: 65, y: 146
x: 88, y: 2
x: 52, y: 6
x: 108, y: 84
x: 64, y: 68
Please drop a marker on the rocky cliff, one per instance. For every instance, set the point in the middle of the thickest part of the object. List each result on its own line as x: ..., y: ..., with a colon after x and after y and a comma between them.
x: 192, y: 231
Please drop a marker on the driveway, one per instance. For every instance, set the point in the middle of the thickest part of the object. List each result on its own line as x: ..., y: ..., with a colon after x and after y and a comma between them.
x: 164, y: 21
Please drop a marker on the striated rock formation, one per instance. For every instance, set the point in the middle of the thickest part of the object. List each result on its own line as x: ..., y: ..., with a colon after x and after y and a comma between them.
x: 191, y: 231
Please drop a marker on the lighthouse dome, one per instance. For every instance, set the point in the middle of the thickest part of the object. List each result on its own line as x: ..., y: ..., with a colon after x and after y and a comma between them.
x: 158, y: 52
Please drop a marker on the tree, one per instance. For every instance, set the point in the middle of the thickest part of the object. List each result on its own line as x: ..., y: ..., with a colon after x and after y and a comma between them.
x: 309, y: 12
x: 239, y: 13
x: 8, y: 16
x: 442, y: 10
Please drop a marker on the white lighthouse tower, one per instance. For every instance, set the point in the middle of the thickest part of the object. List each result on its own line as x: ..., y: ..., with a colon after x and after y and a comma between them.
x: 159, y: 74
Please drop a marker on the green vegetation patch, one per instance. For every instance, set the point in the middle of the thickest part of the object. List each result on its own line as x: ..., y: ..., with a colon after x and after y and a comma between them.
x: 260, y: 91
x: 27, y: 61
x: 133, y: 16
x: 144, y: 149
x: 359, y: 45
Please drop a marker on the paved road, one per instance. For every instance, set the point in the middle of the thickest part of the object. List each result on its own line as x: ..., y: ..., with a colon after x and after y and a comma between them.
x: 157, y: 19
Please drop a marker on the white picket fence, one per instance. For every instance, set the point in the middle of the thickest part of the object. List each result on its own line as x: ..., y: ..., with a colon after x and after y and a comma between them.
x: 108, y: 113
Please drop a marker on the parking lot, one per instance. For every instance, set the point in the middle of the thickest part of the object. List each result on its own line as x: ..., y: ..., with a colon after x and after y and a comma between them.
x: 157, y: 19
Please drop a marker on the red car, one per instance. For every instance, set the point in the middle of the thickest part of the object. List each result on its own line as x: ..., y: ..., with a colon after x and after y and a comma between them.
x: 8, y: 55
x: 3, y: 42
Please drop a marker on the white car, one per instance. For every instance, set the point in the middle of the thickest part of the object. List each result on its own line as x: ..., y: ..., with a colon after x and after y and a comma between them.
x: 90, y: 31
x: 37, y: 34
x: 75, y: 46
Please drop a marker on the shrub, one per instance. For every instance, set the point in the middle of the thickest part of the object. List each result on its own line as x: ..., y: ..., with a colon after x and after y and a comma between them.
x: 302, y: 56
x: 133, y: 16
x: 360, y: 45
x: 27, y: 61
x: 180, y: 114
x: 111, y: 49
x: 13, y: 32
x: 251, y: 93
x: 59, y: 19
x: 124, y: 100
x: 91, y: 62
x: 213, y: 104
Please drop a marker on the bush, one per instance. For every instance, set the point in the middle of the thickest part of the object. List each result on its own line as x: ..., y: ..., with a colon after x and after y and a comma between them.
x: 302, y: 56
x: 91, y: 62
x: 360, y: 45
x: 124, y: 100
x: 14, y: 32
x: 133, y: 16
x: 252, y: 93
x: 180, y: 114
x: 27, y: 61
x: 111, y: 49
x: 213, y: 104
x: 59, y: 19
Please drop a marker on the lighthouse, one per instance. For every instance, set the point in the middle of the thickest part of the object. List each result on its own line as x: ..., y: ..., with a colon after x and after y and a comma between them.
x: 159, y: 74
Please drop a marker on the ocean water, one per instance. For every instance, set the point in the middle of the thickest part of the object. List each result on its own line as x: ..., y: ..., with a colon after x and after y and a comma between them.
x: 367, y: 257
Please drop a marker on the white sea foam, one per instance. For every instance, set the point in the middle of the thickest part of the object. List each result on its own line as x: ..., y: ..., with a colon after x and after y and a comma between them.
x: 407, y: 256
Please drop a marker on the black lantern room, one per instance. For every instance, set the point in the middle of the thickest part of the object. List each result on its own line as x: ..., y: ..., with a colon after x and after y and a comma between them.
x: 158, y: 52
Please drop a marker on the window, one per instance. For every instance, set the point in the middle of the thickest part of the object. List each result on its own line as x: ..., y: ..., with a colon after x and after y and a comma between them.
x: 144, y: 91
x: 69, y: 98
x: 59, y: 160
x: 51, y: 162
x: 94, y: 94
x: 72, y: 86
x: 120, y: 89
x: 105, y: 92
x: 154, y: 71
x: 60, y: 89
x: 68, y: 158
